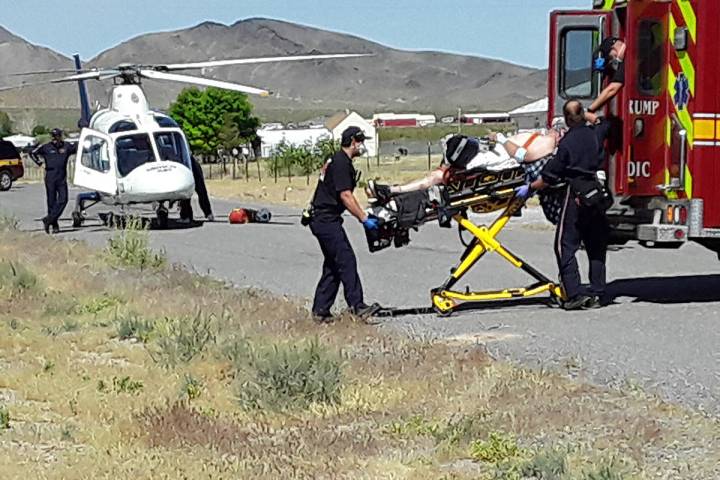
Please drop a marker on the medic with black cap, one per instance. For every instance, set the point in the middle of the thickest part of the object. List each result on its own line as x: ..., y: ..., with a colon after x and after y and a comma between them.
x: 608, y: 58
x: 56, y: 154
x: 333, y: 195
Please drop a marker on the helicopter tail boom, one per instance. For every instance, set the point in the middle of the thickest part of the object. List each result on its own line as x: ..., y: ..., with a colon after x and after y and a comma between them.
x: 85, y: 112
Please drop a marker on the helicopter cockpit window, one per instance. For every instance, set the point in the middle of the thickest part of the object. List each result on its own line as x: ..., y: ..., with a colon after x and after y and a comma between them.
x: 166, y: 122
x: 122, y: 126
x: 133, y: 151
x: 171, y: 146
x: 95, y: 154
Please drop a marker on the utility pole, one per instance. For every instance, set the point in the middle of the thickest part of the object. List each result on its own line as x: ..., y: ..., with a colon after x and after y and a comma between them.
x: 459, y: 122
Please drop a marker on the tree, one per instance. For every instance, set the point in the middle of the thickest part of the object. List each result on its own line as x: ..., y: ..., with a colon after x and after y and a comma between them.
x: 208, y: 116
x: 306, y: 158
x: 5, y: 125
x: 40, y: 130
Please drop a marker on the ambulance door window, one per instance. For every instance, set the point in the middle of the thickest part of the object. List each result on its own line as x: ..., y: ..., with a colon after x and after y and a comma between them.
x: 577, y: 79
x: 650, y: 46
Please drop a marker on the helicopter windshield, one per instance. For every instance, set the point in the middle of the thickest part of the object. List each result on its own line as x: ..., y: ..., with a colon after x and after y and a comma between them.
x: 133, y: 151
x: 171, y: 147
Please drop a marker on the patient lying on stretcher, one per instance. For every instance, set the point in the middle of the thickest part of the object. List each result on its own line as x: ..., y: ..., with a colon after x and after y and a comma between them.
x: 476, y: 174
x: 461, y: 153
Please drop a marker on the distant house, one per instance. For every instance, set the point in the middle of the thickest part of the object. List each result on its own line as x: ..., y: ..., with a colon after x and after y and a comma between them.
x: 480, y: 118
x: 403, y: 120
x: 271, y: 138
x: 532, y: 116
x: 340, y: 121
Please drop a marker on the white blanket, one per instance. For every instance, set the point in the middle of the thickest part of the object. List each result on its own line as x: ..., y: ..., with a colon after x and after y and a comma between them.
x: 495, y: 160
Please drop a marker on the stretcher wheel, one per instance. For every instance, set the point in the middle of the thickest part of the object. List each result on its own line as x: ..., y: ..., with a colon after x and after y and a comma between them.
x: 442, y: 305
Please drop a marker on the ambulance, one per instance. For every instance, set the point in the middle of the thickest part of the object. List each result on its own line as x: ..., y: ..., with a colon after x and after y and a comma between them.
x: 664, y: 152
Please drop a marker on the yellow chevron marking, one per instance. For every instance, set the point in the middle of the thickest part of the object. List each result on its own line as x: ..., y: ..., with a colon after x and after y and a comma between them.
x: 683, y: 57
x: 609, y: 4
x: 688, y: 182
x: 688, y: 14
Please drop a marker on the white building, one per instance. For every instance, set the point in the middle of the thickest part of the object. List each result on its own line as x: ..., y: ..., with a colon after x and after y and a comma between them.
x: 21, y: 141
x: 403, y: 119
x: 340, y: 121
x: 272, y: 138
x: 480, y: 118
x: 532, y: 116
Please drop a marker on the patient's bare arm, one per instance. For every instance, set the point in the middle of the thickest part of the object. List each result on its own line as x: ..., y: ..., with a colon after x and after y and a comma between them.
x: 433, y: 178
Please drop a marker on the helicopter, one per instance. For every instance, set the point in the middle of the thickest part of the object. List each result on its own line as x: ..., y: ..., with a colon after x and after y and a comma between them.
x: 129, y: 153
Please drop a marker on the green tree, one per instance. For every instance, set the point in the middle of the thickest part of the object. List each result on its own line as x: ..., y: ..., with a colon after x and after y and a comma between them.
x: 40, y: 130
x: 305, y: 159
x: 5, y: 125
x: 205, y: 114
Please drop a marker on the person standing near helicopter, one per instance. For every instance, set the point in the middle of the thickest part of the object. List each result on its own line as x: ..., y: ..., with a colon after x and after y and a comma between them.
x: 55, y: 154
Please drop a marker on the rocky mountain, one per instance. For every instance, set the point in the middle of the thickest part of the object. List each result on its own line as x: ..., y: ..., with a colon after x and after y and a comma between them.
x: 390, y: 80
x: 16, y: 56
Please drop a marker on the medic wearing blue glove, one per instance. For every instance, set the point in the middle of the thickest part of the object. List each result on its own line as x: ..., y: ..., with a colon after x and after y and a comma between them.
x: 524, y: 192
x: 333, y: 195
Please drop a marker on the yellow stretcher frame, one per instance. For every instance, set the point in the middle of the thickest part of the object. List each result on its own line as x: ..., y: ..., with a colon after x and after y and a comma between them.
x: 445, y: 300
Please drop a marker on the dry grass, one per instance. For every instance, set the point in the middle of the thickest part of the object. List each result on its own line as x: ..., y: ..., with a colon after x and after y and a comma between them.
x: 86, y: 395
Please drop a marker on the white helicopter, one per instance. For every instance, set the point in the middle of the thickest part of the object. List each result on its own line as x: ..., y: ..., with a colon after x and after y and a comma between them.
x: 130, y: 154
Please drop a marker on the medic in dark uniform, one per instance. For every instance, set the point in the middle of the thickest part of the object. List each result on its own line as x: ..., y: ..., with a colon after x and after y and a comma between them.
x: 334, y: 194
x: 580, y: 153
x: 609, y: 58
x: 56, y: 155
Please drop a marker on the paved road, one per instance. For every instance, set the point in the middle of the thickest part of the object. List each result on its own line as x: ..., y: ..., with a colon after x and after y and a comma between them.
x: 662, y: 333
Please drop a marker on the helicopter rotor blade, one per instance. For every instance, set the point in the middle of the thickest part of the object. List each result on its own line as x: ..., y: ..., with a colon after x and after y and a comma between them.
x: 24, y: 85
x: 93, y: 75
x: 207, y: 82
x: 252, y: 61
x: 45, y: 72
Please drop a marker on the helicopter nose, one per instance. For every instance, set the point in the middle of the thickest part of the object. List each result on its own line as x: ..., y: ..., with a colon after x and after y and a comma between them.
x: 162, y: 180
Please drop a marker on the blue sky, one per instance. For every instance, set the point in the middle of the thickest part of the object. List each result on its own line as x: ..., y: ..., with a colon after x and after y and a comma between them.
x: 513, y: 30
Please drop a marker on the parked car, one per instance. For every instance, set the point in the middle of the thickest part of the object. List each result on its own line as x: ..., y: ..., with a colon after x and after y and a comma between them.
x: 11, y: 166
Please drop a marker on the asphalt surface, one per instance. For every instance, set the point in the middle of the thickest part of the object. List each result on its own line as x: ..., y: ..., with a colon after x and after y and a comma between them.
x: 661, y: 334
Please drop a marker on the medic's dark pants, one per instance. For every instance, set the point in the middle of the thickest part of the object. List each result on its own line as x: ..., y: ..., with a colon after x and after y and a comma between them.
x: 340, y: 266
x: 201, y: 190
x: 589, y: 226
x: 56, y: 189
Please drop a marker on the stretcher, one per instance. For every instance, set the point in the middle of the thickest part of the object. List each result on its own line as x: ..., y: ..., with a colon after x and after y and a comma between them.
x: 479, y: 191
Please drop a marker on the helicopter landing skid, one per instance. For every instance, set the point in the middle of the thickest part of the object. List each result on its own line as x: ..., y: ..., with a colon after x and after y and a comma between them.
x: 78, y: 214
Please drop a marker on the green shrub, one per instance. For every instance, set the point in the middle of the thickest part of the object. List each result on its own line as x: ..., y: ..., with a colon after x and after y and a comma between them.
x: 498, y: 448
x: 292, y: 377
x: 4, y: 418
x: 96, y: 305
x: 15, y: 278
x: 607, y: 471
x: 181, y: 339
x: 192, y: 388
x: 546, y: 465
x: 130, y: 248
x: 121, y: 385
x: 451, y: 432
x: 133, y: 326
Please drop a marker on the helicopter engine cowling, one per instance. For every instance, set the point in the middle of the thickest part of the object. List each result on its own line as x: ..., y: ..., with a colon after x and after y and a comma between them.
x: 155, y: 182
